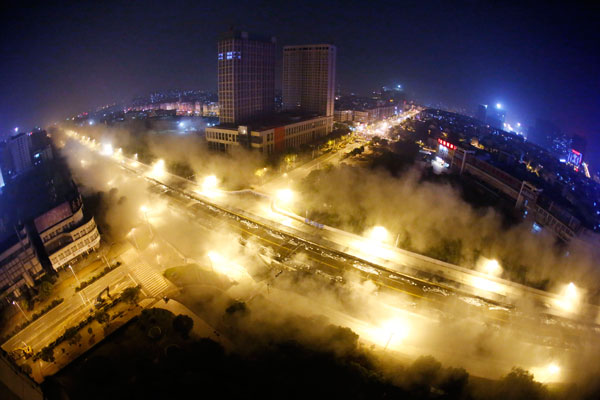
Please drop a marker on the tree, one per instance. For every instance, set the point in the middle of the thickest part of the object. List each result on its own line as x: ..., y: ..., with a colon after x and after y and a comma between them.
x: 131, y: 294
x: 447, y: 250
x: 47, y: 354
x: 75, y: 339
x: 101, y: 316
x: 181, y: 168
x: 45, y: 290
x: 183, y: 325
x: 519, y: 384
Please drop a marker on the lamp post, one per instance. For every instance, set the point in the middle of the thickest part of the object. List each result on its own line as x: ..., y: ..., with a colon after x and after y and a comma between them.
x: 20, y: 309
x: 134, y: 239
x: 75, y: 275
x: 144, y: 210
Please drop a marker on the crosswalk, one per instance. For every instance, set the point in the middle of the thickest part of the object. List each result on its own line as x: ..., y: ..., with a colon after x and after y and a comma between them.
x: 152, y: 281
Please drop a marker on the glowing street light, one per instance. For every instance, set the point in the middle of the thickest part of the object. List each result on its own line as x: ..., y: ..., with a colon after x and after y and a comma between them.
x: 569, y: 299
x: 20, y: 309
x: 498, y: 105
x: 107, y: 149
x: 492, y: 267
x: 285, y: 195
x: 158, y: 170
x: 379, y: 233
x: 394, y: 328
x: 223, y: 266
x: 209, y: 183
x: 548, y: 373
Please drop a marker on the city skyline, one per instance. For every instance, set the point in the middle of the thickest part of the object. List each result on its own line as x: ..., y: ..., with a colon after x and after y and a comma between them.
x: 461, y: 55
x: 341, y: 199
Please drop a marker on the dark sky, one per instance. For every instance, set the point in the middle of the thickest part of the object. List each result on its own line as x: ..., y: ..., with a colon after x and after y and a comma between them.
x: 539, y: 59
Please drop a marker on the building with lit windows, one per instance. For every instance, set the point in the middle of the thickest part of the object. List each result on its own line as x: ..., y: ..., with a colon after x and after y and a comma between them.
x: 20, y: 265
x: 309, y: 79
x: 274, y: 135
x: 246, y: 77
x: 19, y: 147
x: 66, y: 233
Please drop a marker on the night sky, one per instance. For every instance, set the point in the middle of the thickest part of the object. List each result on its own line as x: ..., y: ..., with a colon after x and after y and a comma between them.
x: 539, y: 60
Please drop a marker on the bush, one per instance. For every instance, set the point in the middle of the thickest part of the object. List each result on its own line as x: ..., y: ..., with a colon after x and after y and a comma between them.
x: 44, y: 290
x: 101, y: 316
x: 47, y: 353
x: 35, y: 316
x: 519, y: 384
x: 183, y: 325
x: 131, y: 294
x: 94, y: 278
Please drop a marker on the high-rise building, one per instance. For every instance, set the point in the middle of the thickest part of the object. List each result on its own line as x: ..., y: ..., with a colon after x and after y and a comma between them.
x: 481, y: 112
x: 246, y: 77
x: 551, y: 137
x: 20, y: 150
x: 496, y: 116
x: 20, y: 265
x: 309, y: 78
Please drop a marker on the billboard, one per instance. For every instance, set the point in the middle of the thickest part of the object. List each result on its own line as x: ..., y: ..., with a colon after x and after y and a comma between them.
x: 575, y: 158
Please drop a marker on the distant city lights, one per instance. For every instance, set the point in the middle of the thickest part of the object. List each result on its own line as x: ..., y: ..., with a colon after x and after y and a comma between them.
x: 499, y: 105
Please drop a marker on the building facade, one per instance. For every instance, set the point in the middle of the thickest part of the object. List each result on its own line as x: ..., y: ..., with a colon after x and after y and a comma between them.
x: 19, y: 263
x: 246, y: 77
x: 19, y: 147
x: 366, y: 116
x: 269, y: 139
x: 308, y: 79
x: 66, y: 234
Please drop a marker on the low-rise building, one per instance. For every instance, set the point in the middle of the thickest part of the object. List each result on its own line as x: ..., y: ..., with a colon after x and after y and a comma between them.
x: 66, y: 233
x: 343, y: 116
x: 270, y: 137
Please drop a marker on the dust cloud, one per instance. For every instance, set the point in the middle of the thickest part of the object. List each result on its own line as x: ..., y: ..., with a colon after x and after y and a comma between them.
x: 266, y: 305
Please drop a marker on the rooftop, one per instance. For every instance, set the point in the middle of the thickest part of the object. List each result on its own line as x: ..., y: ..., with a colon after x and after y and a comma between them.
x: 273, y: 121
x: 237, y: 34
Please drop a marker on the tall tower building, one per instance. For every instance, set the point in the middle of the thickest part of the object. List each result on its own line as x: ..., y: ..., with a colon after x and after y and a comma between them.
x: 20, y: 151
x: 246, y: 77
x: 309, y: 78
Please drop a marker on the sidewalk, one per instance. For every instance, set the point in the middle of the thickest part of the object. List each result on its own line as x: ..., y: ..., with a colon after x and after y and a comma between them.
x: 65, y: 285
x: 200, y: 329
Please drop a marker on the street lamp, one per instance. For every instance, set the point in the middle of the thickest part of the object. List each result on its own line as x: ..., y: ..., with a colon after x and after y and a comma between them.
x: 76, y: 278
x: 285, y: 195
x: 379, y: 234
x: 145, y: 210
x: 20, y: 309
x: 132, y: 233
x: 492, y: 267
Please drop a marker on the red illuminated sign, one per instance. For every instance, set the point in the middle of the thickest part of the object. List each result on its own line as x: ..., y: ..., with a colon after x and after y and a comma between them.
x: 447, y: 144
x: 575, y: 152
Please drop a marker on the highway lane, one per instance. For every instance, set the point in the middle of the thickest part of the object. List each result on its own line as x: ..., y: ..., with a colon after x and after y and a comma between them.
x: 334, y: 265
x: 177, y: 187
x: 52, y: 324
